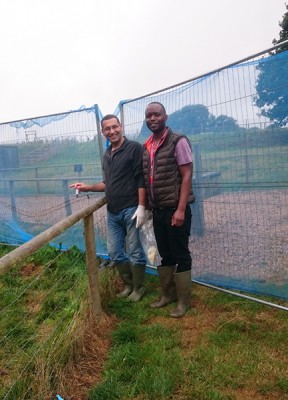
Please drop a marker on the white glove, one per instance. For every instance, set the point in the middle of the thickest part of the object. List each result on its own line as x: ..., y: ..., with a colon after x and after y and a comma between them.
x: 140, y: 216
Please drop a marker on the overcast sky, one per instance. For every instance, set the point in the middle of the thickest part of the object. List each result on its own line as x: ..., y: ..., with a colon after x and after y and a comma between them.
x: 58, y: 55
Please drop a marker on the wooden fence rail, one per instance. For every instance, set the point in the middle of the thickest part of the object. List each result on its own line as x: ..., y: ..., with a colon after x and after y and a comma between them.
x: 17, y: 256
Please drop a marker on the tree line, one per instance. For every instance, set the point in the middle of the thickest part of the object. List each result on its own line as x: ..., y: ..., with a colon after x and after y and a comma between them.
x: 196, y: 118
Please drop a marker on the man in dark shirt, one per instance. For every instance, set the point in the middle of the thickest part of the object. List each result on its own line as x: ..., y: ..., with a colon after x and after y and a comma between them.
x: 125, y: 193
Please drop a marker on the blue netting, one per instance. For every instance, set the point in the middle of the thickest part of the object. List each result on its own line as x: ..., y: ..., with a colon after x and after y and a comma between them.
x: 40, y: 157
x: 236, y: 120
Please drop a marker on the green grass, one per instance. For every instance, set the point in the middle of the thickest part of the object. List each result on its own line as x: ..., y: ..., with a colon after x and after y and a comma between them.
x: 139, y: 357
x: 255, y: 168
x: 40, y: 302
x: 225, y: 348
x: 59, y: 165
x: 254, y: 159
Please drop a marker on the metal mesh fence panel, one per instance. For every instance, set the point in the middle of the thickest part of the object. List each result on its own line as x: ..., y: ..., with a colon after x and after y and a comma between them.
x: 235, y: 118
x: 40, y: 157
x: 236, y: 121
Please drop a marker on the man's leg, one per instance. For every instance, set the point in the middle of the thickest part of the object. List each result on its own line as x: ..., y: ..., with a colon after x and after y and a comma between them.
x: 179, y: 245
x: 162, y: 218
x: 116, y: 233
x: 168, y: 287
x: 161, y: 226
x: 173, y: 247
x: 137, y: 255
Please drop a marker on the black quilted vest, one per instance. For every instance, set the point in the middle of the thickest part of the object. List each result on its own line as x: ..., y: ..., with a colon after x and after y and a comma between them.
x: 167, y: 178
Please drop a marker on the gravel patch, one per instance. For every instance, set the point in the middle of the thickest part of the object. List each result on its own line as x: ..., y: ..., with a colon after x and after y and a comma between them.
x: 245, y: 234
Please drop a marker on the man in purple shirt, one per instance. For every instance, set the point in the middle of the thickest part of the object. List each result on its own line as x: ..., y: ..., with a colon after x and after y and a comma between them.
x: 168, y: 167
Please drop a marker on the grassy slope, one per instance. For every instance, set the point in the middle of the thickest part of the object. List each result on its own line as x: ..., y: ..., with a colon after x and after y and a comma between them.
x: 225, y: 348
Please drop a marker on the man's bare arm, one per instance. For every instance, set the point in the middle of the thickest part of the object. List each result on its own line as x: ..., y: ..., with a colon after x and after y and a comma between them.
x: 83, y: 187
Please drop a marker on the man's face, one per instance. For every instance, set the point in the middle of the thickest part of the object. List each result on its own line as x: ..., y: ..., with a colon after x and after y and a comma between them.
x: 112, y: 130
x: 155, y: 118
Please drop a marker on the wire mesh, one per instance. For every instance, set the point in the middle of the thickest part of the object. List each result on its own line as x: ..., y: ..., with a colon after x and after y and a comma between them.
x: 236, y: 123
x: 235, y: 118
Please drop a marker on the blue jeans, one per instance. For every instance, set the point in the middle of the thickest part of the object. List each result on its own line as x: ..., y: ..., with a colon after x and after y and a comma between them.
x: 123, y: 237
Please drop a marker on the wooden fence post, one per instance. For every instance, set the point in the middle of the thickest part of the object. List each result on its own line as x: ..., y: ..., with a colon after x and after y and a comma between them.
x: 67, y: 198
x: 92, y: 267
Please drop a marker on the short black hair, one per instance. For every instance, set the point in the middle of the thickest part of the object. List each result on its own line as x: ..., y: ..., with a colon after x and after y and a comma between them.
x: 110, y: 116
x: 159, y: 104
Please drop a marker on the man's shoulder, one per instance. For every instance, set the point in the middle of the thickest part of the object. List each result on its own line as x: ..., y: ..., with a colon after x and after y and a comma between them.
x: 107, y: 151
x: 133, y: 144
x: 176, y: 136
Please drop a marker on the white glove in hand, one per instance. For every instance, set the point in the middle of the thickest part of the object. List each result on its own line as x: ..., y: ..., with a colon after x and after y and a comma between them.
x: 140, y: 216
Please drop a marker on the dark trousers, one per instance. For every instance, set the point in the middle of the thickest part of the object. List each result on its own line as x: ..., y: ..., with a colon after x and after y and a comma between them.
x: 172, y: 242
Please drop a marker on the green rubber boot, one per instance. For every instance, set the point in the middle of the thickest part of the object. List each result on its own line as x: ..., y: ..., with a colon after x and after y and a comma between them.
x: 125, y: 273
x: 183, y: 288
x: 138, y: 278
x: 169, y: 294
